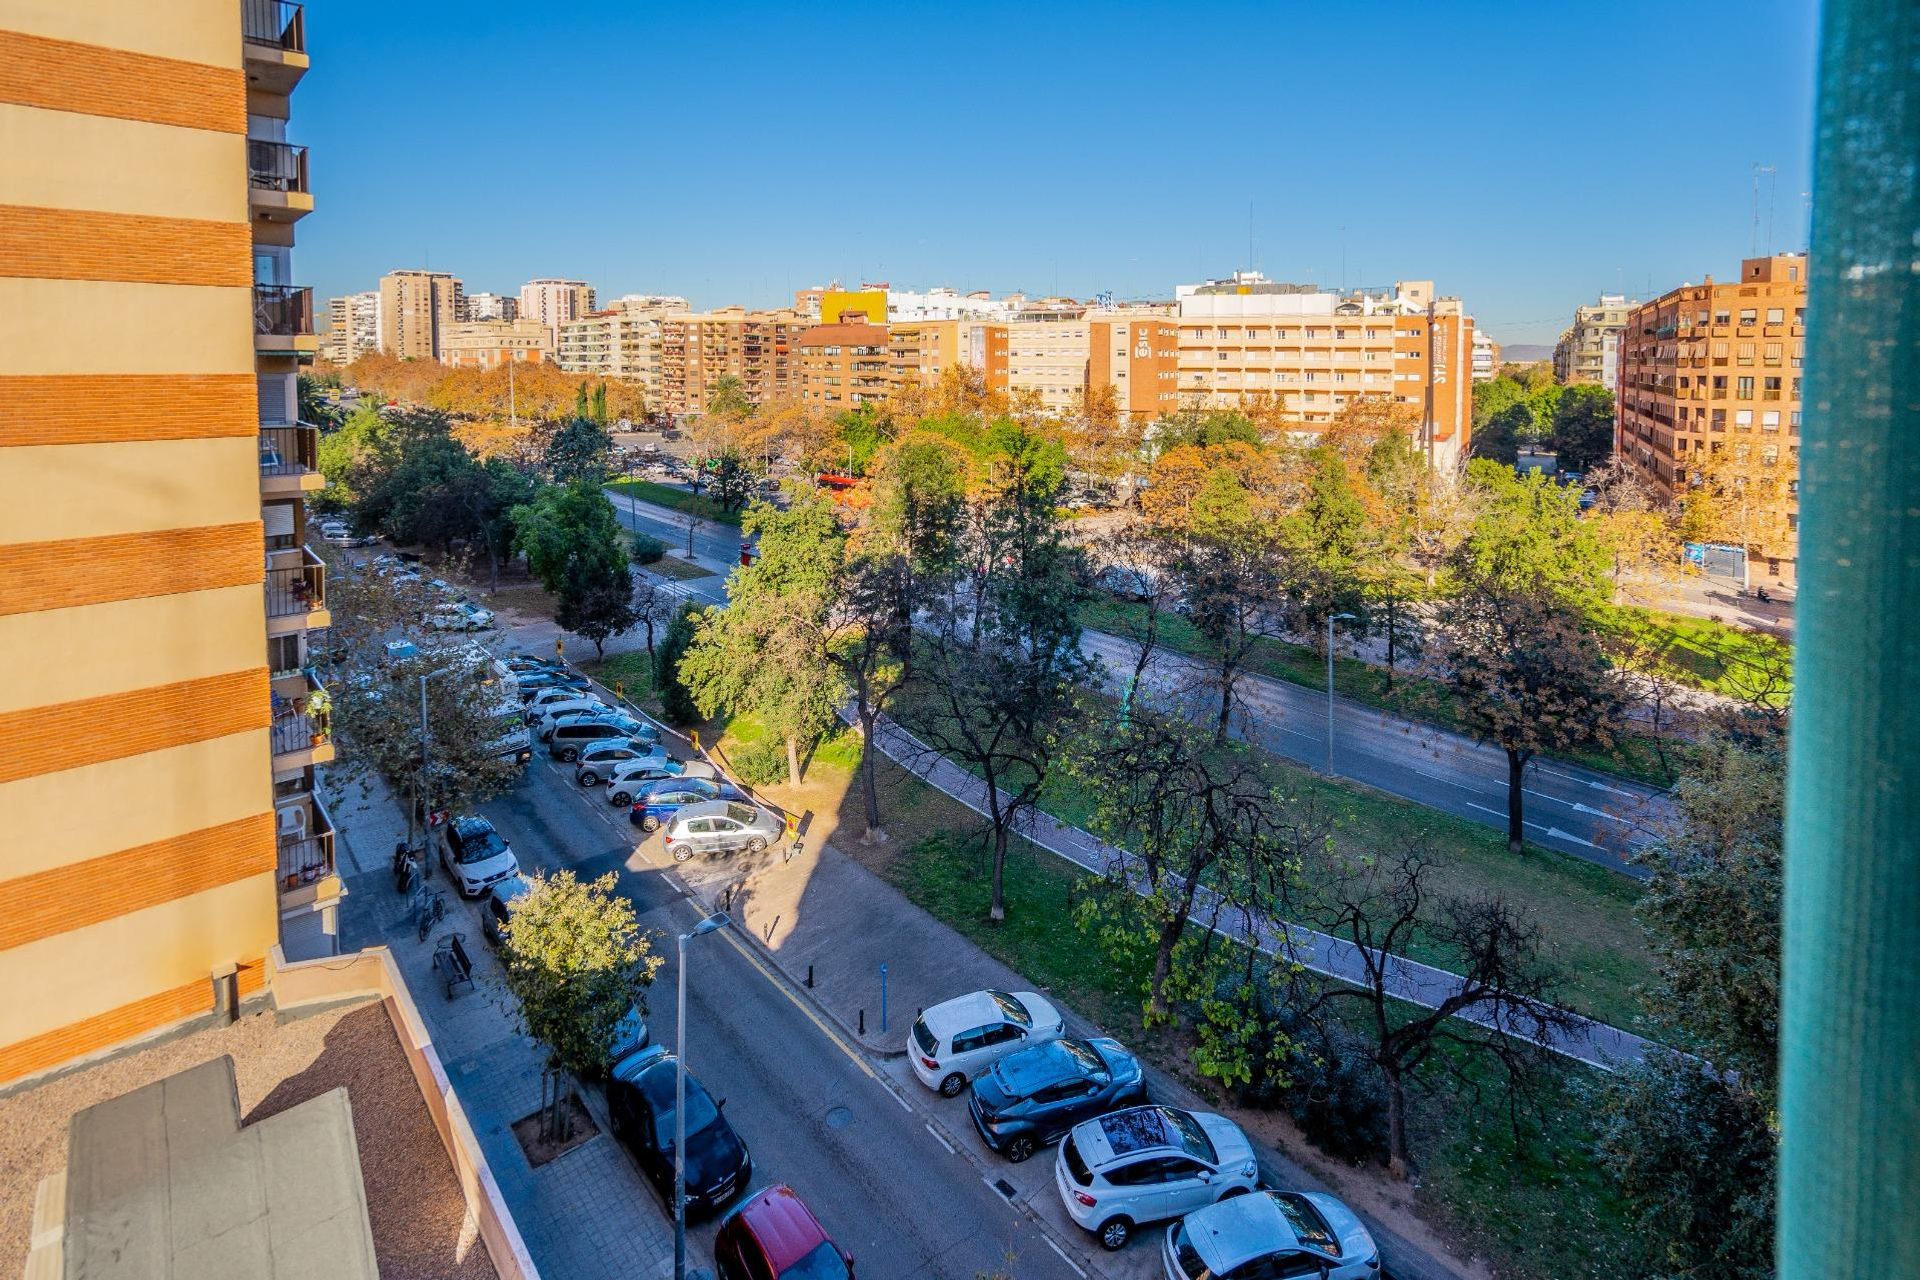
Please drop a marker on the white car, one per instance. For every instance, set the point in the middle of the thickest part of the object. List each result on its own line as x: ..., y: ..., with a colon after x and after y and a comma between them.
x: 476, y: 856
x: 1272, y: 1233
x: 449, y: 617
x: 544, y: 698
x: 1147, y: 1164
x: 544, y: 716
x: 957, y: 1039
x: 626, y: 777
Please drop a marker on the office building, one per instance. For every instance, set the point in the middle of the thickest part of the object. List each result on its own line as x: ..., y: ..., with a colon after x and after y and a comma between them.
x: 843, y: 366
x: 1589, y: 351
x: 159, y: 726
x: 353, y: 327
x: 483, y: 344
x: 417, y: 308
x: 1137, y: 353
x: 1316, y: 350
x: 554, y: 302
x: 1716, y: 366
x: 492, y: 306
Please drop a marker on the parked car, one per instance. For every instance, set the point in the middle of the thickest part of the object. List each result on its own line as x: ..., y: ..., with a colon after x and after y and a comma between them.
x: 451, y: 617
x: 957, y: 1039
x: 1035, y: 1096
x: 543, y: 711
x: 640, y: 1102
x: 657, y: 802
x: 532, y: 682
x: 576, y: 732
x: 626, y: 778
x: 720, y: 826
x: 1147, y: 1164
x: 774, y: 1236
x: 624, y: 725
x: 1272, y: 1233
x: 499, y: 906
x: 524, y: 662
x: 596, y: 759
x: 476, y: 856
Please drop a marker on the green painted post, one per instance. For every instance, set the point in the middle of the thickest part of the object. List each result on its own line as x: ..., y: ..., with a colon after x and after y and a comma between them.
x: 1850, y: 1049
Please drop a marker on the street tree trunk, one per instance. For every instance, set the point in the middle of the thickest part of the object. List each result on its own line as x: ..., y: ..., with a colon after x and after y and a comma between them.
x: 1170, y: 932
x: 1516, y: 797
x: 1398, y: 1162
x: 793, y: 760
x: 1223, y: 720
x: 998, y: 911
x: 869, y: 783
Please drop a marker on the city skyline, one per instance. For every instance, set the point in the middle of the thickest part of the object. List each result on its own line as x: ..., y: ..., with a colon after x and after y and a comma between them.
x: 988, y: 188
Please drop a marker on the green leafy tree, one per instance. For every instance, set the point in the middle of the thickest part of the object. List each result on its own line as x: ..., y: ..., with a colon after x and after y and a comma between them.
x: 489, y: 493
x: 1528, y: 538
x: 646, y: 548
x: 676, y: 701
x: 409, y: 484
x: 599, y: 610
x: 875, y: 613
x: 770, y: 651
x: 574, y: 960
x: 580, y: 450
x: 727, y: 398
x: 918, y: 514
x: 1583, y: 427
x: 570, y: 535
x: 342, y: 451
x: 1326, y: 544
x: 729, y: 483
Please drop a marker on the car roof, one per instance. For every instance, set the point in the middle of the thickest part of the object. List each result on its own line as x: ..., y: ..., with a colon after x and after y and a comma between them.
x: 1046, y: 1063
x: 1121, y: 1134
x: 512, y: 889
x: 782, y: 1224
x: 962, y: 1013
x: 705, y: 809
x: 1238, y: 1229
x: 471, y: 824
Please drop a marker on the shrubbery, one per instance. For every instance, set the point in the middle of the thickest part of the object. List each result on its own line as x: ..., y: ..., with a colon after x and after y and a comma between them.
x: 760, y: 763
x: 647, y: 549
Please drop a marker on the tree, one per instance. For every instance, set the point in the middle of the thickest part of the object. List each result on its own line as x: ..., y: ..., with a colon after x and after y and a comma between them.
x: 1428, y: 509
x: 342, y: 451
x: 727, y: 398
x: 729, y: 483
x: 574, y: 959
x: 918, y: 514
x: 1583, y: 427
x: 1528, y: 537
x: 1325, y: 543
x: 580, y: 450
x: 653, y: 608
x: 769, y: 652
x: 570, y: 535
x: 676, y: 703
x: 489, y: 493
x: 1741, y: 492
x: 876, y: 614
x: 1636, y: 525
x: 598, y: 610
x: 1502, y: 1012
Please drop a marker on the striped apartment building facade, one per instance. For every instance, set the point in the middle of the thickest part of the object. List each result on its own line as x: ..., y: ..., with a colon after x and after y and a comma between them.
x: 159, y: 833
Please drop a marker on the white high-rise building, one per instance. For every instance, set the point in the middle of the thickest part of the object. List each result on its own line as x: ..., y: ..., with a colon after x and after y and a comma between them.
x: 554, y: 302
x: 353, y: 327
x: 906, y: 307
x: 492, y: 306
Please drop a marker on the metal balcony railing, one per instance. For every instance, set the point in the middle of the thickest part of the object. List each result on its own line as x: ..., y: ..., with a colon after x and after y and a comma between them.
x: 301, y: 722
x: 277, y: 166
x: 306, y: 861
x: 285, y: 310
x: 300, y: 589
x: 289, y: 451
x: 280, y: 23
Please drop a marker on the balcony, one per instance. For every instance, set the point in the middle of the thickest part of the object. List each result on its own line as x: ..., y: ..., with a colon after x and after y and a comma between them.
x: 283, y: 320
x: 273, y: 44
x: 290, y: 461
x: 277, y: 188
x: 306, y: 860
x: 302, y: 733
x: 297, y: 595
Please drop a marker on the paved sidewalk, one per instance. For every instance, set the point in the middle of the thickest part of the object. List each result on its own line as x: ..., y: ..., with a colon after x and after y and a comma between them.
x: 1594, y: 1043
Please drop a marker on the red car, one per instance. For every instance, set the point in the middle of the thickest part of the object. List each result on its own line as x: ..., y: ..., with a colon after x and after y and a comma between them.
x: 774, y: 1236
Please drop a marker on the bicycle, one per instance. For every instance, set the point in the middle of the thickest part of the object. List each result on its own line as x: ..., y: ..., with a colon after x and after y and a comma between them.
x: 429, y: 909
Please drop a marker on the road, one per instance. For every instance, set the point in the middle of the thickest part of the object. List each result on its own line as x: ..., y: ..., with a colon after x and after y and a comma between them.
x: 1582, y: 812
x: 812, y: 1110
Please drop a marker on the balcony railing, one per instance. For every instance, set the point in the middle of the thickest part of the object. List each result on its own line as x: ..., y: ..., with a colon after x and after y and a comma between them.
x: 277, y: 166
x: 280, y: 23
x: 289, y: 451
x: 299, y: 723
x: 300, y: 589
x: 284, y: 310
x: 306, y: 861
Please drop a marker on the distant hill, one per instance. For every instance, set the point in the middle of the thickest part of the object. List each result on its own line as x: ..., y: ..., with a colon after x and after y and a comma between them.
x: 1525, y: 352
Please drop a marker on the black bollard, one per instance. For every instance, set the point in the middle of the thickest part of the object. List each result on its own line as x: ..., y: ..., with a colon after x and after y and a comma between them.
x: 809, y: 977
x: 863, y: 1022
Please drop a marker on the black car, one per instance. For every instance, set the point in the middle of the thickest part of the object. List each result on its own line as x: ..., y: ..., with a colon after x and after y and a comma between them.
x: 640, y: 1100
x: 1033, y: 1097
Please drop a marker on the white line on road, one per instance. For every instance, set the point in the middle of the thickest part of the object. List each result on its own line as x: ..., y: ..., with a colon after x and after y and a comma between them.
x: 937, y: 1138
x: 1064, y: 1258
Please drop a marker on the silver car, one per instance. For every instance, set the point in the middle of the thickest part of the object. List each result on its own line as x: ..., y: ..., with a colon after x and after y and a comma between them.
x: 720, y: 826
x: 1272, y: 1233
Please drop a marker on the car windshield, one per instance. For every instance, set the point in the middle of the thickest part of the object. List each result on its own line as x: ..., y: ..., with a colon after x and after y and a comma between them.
x: 823, y: 1262
x: 1081, y: 1056
x: 1187, y: 1132
x: 1013, y: 1009
x: 1306, y: 1221
x: 480, y: 846
x: 700, y: 1113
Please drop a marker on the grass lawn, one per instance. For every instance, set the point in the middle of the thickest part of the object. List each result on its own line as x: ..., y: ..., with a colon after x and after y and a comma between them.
x: 677, y: 569
x: 665, y: 495
x: 1714, y: 656
x: 630, y: 675
x: 1411, y: 696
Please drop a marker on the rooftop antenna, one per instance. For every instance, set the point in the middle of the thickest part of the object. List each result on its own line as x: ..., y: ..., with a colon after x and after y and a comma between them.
x: 1758, y: 169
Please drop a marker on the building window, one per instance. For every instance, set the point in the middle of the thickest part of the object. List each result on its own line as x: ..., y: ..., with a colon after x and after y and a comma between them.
x: 1743, y: 389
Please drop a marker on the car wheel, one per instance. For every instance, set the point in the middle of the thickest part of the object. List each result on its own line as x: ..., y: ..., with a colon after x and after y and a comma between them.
x: 588, y: 778
x: 620, y: 797
x: 567, y: 757
x: 1019, y: 1148
x: 649, y: 823
x: 682, y: 853
x: 952, y: 1085
x: 756, y: 844
x: 1114, y: 1234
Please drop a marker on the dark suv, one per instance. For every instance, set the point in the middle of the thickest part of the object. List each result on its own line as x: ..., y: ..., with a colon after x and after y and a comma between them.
x: 640, y: 1100
x: 1035, y: 1096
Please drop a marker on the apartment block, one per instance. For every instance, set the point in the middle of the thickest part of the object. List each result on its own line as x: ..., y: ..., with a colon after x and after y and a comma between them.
x: 417, y: 308
x: 492, y: 306
x: 1717, y: 366
x: 699, y: 348
x: 906, y: 306
x: 843, y: 366
x: 622, y: 342
x: 554, y: 302
x: 484, y: 344
x: 1048, y: 354
x: 353, y: 327
x: 159, y: 726
x: 1138, y: 355
x: 1486, y: 357
x: 920, y: 351
x: 1589, y: 351
x: 1317, y: 350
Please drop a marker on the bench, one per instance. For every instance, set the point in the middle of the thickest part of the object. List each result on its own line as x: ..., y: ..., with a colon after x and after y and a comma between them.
x: 452, y: 963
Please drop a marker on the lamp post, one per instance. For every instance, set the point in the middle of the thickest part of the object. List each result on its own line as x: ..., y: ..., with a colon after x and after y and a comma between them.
x: 426, y: 804
x: 715, y: 921
x: 1331, y: 619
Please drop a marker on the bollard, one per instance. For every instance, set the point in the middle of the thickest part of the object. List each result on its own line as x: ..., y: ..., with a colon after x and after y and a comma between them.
x: 863, y: 1022
x: 809, y: 977
x: 883, y: 998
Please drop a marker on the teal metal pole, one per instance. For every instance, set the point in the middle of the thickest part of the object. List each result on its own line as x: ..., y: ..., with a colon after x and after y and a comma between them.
x: 1850, y: 1035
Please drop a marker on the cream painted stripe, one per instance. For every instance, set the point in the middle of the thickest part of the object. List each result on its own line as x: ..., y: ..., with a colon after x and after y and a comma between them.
x: 70, y: 976
x: 205, y: 31
x: 63, y: 655
x: 67, y: 160
x: 52, y: 819
x: 56, y: 491
x: 110, y: 326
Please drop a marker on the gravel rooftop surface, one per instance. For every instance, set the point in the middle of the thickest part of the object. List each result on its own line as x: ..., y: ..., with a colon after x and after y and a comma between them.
x: 419, y: 1220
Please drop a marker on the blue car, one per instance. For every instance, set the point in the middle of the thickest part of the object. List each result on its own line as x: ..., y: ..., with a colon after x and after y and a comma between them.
x: 659, y: 801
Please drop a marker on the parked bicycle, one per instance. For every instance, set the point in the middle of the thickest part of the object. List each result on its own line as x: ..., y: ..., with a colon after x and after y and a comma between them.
x: 429, y: 909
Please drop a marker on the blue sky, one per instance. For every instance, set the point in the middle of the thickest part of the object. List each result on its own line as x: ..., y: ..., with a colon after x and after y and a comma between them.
x: 1526, y: 157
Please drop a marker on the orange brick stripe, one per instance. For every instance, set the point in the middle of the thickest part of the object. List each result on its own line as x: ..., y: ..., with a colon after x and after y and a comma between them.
x: 67, y: 735
x: 61, y: 899
x: 128, y: 566
x: 63, y: 75
x: 106, y: 408
x: 104, y: 1030
x: 85, y: 244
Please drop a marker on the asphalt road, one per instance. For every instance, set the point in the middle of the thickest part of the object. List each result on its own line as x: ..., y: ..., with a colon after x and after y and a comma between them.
x: 812, y: 1110
x: 714, y: 541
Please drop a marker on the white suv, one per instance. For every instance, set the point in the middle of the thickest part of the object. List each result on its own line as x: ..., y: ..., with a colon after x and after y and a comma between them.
x: 1148, y: 1164
x: 957, y: 1039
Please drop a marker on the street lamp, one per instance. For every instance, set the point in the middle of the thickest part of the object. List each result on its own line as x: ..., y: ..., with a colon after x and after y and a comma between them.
x: 1331, y: 619
x: 426, y: 772
x: 718, y: 920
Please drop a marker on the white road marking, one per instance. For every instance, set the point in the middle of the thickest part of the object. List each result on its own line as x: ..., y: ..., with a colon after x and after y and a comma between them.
x: 1064, y: 1258
x: 1568, y: 835
x: 937, y: 1138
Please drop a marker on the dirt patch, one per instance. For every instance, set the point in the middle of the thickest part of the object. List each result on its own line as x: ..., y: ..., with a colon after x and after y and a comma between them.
x: 540, y: 1149
x: 679, y: 570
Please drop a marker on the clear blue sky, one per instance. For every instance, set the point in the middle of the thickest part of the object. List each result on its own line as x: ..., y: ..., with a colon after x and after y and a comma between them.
x: 1526, y: 157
